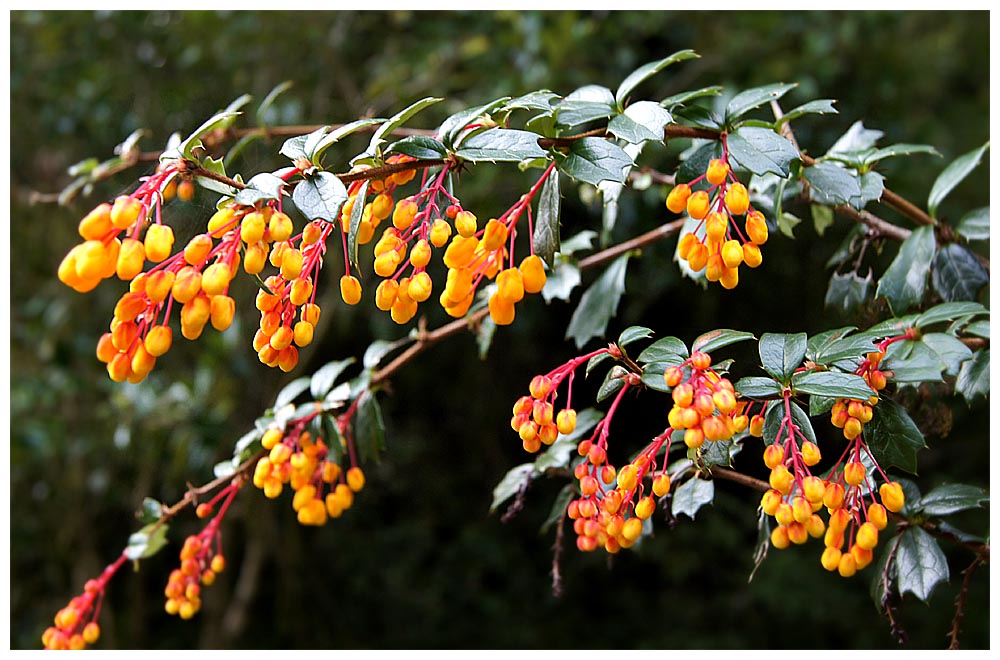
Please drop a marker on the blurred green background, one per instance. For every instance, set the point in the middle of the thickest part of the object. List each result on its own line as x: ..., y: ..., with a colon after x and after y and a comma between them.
x: 419, y: 562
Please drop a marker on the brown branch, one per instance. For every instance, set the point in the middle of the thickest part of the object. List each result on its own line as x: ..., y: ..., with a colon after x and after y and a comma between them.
x: 640, y: 241
x: 718, y: 472
x: 960, y: 602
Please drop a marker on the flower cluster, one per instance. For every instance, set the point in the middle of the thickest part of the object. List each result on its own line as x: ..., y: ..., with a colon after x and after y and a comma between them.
x: 75, y: 626
x: 717, y: 245
x: 322, y: 488
x: 201, y: 558
x: 852, y: 415
x: 705, y: 404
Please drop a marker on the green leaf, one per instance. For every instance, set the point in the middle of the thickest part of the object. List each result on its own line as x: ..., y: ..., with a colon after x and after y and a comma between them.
x: 920, y: 563
x: 817, y: 107
x: 691, y: 496
x: 291, y: 391
x: 321, y: 196
x: 851, y: 347
x: 787, y: 223
x: 260, y: 187
x: 378, y: 349
x: 562, y: 279
x: 978, y: 329
x: 857, y: 138
x: 357, y: 215
x: 593, y: 160
x: 652, y: 373
x: 846, y: 292
x: 905, y: 280
x: 452, y: 128
x: 188, y: 145
x: 613, y: 381
x: 952, y: 175
x: 595, y: 362
x: 391, y: 124
x: 696, y: 163
x: 951, y: 311
x: 632, y: 334
x: 538, y: 100
x: 975, y: 225
x: 772, y: 423
x: 485, y: 332
x: 893, y: 437
x: 714, y: 339
x: 761, y: 150
x: 899, y: 150
x: 326, y: 376
x: 369, y: 428
x: 957, y: 273
x: 598, y: 304
x: 501, y: 145
x: 949, y: 348
x: 872, y: 187
x: 152, y: 510
x: 749, y: 99
x: 822, y: 217
x: 545, y: 239
x: 645, y: 71
x: 559, y: 506
x: 577, y: 242
x: 269, y: 100
x: 585, y: 104
x: 781, y: 355
x: 419, y: 146
x: 683, y: 97
x: 974, y: 376
x: 831, y: 184
x: 832, y: 384
x: 758, y: 387
x: 719, y: 453
x: 246, y: 446
x: 640, y: 122
x: 511, y: 483
x: 146, y: 542
x: 665, y: 348
x: 952, y: 498
x: 820, y: 405
x: 913, y: 362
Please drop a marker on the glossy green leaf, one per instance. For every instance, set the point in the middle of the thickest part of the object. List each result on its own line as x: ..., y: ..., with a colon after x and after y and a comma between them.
x: 715, y: 339
x: 187, y: 146
x: 588, y: 103
x: 951, y: 311
x: 913, y: 362
x: 146, y: 542
x: 665, y: 348
x: 260, y: 187
x: 501, y: 145
x: 822, y: 217
x: 952, y: 498
x: 326, y: 376
x: 595, y: 362
x: 772, y: 424
x: 511, y: 483
x: 787, y: 224
x: 851, y: 347
x: 647, y: 70
x: 950, y: 350
x: 320, y: 196
x: 559, y: 506
x: 761, y: 150
x: 872, y: 187
x: 691, y: 496
x: 831, y: 184
x: 920, y: 564
x: 958, y: 274
x: 832, y: 384
x: 978, y: 329
x: 291, y: 391
x: 684, y: 97
x: 151, y: 511
x: 820, y: 341
x: 378, y: 349
x: 749, y: 99
x: 820, y: 405
x: 640, y: 122
x: 720, y: 452
x: 613, y: 381
x: 422, y: 147
x: 817, y: 107
x: 857, y: 138
x: 782, y: 354
x: 562, y: 279
x: 974, y: 376
x: 357, y: 215
x: 545, y: 238
x: 633, y: 334
x: 952, y: 175
x: 848, y: 291
x: 975, y: 225
x: 899, y: 150
x: 369, y: 428
x: 697, y: 162
x: 758, y: 387
x: 374, y: 149
x: 893, y: 437
x: 598, y: 304
x: 652, y: 373
x: 451, y: 129
x: 541, y: 99
x: 905, y: 280
x: 485, y: 331
x: 593, y: 160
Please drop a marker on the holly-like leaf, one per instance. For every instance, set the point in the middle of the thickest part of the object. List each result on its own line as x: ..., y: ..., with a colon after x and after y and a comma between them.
x: 647, y: 70
x: 952, y: 175
x: 665, y: 348
x: 369, y: 428
x: 419, y: 146
x: 832, y: 384
x: 598, y: 304
x: 501, y: 145
x: 951, y: 351
x: 320, y: 196
x: 593, y: 160
x: 913, y: 362
x: 146, y: 542
x: 633, y: 334
x: 715, y: 339
x: 374, y: 149
x: 974, y: 376
x: 772, y: 423
x: 761, y: 150
x: 511, y: 483
x: 952, y: 311
x: 546, y: 235
x: 848, y: 291
x: 893, y: 437
x: 831, y: 184
x: 822, y: 217
x: 749, y: 99
x: 857, y: 138
x: 781, y: 355
x: 851, y: 347
x: 719, y: 453
x: 952, y: 498
x: 920, y: 563
x: 452, y: 128
x: 697, y: 162
x: 588, y: 103
x: 691, y: 496
x: 640, y: 122
x: 326, y: 376
x: 817, y: 107
x: 905, y: 280
x: 152, y: 510
x: 758, y: 387
x: 684, y: 97
x: 260, y: 187
x: 291, y: 391
x: 613, y: 381
x: 975, y: 225
x: 958, y: 274
x: 899, y: 150
x: 187, y: 146
x: 316, y: 146
x: 562, y: 279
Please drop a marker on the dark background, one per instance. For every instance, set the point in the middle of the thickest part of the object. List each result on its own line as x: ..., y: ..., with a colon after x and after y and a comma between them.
x: 419, y: 562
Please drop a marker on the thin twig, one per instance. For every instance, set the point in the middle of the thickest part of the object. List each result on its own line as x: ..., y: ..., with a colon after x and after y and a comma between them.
x: 960, y: 602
